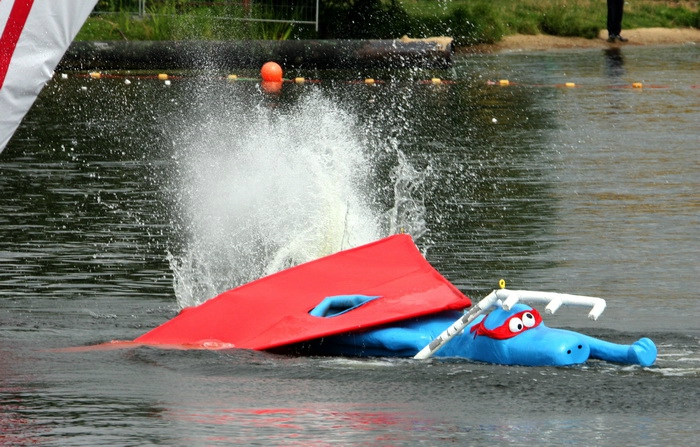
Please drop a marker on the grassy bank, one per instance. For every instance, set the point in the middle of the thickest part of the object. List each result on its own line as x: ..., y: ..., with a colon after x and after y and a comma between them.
x: 567, y: 18
x: 468, y: 21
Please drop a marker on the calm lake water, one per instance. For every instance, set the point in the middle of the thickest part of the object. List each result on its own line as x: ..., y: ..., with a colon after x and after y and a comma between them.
x: 122, y: 202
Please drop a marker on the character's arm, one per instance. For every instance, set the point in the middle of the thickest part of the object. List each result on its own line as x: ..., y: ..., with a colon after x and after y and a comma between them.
x: 642, y: 352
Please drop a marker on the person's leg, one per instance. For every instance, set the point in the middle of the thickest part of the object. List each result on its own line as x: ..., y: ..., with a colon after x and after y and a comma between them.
x: 620, y: 10
x: 611, y: 18
x: 615, y: 8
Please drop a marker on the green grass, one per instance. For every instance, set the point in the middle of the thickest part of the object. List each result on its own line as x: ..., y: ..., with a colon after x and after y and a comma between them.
x: 467, y: 21
x: 166, y: 21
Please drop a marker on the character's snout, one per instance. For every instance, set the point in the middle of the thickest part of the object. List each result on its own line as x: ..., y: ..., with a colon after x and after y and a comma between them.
x: 555, y: 347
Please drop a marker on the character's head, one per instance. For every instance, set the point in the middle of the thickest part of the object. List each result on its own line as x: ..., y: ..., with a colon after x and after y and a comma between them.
x: 519, y: 337
x: 504, y: 325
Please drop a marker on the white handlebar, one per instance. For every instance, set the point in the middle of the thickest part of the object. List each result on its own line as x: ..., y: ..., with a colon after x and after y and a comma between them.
x: 555, y: 300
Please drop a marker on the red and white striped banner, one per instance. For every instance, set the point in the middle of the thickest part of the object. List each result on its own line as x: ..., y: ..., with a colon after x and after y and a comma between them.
x: 34, y: 34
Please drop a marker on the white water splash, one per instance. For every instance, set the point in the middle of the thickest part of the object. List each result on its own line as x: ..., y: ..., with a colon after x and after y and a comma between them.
x: 271, y: 189
x: 408, y: 213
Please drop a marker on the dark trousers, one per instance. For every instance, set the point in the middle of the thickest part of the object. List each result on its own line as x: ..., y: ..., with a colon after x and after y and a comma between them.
x: 615, y: 17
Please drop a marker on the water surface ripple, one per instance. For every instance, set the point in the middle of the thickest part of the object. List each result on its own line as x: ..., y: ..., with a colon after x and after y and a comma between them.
x: 111, y: 191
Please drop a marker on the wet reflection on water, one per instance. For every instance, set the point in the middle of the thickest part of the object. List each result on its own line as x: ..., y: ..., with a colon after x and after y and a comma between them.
x: 614, y: 63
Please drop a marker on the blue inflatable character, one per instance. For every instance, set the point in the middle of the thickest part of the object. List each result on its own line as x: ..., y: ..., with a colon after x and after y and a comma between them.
x: 508, y: 337
x: 519, y: 337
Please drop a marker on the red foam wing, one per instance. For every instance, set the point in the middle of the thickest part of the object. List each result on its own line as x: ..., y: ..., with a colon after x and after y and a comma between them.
x: 274, y: 311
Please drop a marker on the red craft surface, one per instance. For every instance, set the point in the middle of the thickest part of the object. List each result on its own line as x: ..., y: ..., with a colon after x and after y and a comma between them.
x: 274, y: 311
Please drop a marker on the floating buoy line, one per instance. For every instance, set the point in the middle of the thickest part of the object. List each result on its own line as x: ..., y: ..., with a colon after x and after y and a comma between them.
x: 166, y: 78
x: 233, y: 78
x: 272, y: 74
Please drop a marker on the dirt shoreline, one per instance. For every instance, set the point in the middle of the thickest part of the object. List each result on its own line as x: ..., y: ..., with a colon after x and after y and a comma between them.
x: 637, y: 37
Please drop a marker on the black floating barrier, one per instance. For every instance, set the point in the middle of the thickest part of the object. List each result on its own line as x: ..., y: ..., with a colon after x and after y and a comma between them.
x: 227, y: 55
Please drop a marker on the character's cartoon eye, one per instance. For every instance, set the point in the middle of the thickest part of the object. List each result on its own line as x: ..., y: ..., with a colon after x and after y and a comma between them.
x: 529, y: 319
x: 515, y: 324
x: 511, y: 327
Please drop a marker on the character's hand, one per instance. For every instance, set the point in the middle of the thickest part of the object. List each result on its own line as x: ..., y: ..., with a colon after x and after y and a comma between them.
x: 642, y: 352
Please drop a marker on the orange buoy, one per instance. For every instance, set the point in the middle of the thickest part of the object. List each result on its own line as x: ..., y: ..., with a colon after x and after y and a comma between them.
x: 271, y: 72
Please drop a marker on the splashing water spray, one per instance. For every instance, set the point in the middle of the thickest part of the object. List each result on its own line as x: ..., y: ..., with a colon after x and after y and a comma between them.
x: 262, y: 189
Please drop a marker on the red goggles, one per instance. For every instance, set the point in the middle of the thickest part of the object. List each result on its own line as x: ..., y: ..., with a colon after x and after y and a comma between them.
x: 513, y: 326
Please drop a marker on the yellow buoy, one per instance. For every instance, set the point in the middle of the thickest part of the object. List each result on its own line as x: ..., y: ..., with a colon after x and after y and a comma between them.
x: 504, y: 82
x: 369, y: 81
x: 162, y: 76
x: 436, y: 81
x: 570, y: 84
x: 637, y: 85
x: 95, y: 75
x: 232, y: 77
x: 299, y: 80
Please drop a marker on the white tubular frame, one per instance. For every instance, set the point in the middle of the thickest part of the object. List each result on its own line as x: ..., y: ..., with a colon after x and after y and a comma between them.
x: 554, y: 300
x: 509, y: 298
